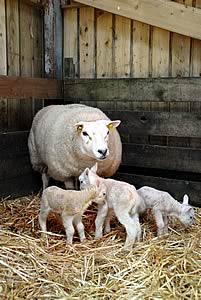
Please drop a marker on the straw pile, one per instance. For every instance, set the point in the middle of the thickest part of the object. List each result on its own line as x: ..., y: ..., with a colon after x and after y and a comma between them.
x: 48, y: 268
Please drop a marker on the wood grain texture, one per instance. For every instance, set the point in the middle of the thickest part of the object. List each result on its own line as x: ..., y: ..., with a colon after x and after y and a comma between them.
x: 146, y: 89
x: 160, y: 13
x: 25, y: 87
x: 122, y: 47
x: 87, y: 43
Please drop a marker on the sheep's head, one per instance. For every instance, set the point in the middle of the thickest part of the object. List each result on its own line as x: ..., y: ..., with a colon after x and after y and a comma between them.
x: 187, y: 212
x: 94, y: 137
x: 87, y: 176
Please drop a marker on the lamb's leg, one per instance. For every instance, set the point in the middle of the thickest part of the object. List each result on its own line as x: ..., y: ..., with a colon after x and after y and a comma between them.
x: 80, y: 227
x: 130, y: 226
x: 101, y: 214
x: 135, y: 218
x: 165, y: 220
x: 44, y: 211
x: 108, y: 218
x: 45, y: 180
x: 159, y: 222
x: 68, y: 225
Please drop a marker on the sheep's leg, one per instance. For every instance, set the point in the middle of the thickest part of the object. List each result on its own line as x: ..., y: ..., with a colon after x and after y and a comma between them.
x: 45, y: 180
x: 165, y: 220
x: 159, y: 222
x: 101, y: 214
x: 69, y: 184
x: 135, y: 218
x: 130, y: 226
x: 108, y: 218
x: 44, y: 211
x: 68, y: 225
x: 80, y: 227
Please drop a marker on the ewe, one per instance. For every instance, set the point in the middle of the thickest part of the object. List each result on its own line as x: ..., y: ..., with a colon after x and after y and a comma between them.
x: 164, y: 205
x: 65, y: 139
x: 71, y: 205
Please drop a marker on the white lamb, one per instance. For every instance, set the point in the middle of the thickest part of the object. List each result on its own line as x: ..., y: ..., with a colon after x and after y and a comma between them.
x: 65, y: 139
x: 71, y: 205
x: 122, y: 199
x: 164, y: 205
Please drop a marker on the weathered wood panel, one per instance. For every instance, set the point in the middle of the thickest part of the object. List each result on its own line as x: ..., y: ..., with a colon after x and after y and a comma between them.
x: 175, y: 187
x: 162, y: 157
x: 87, y: 43
x: 163, y: 89
x: 160, y: 13
x: 104, y: 36
x: 178, y: 124
x: 25, y: 87
x: 16, y: 175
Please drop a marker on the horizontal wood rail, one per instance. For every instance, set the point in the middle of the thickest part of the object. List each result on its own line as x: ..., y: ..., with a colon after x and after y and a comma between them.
x: 25, y: 87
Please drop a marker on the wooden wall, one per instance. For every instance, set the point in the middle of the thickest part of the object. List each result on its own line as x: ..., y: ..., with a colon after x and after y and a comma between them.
x: 21, y: 54
x: 103, y: 45
x: 134, y: 72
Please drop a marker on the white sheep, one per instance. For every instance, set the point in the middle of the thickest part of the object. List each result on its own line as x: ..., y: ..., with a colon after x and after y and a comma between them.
x: 164, y: 205
x: 71, y: 205
x: 65, y: 139
x: 122, y: 199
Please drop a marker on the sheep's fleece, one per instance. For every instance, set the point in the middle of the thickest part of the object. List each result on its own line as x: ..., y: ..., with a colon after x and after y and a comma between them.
x: 55, y: 144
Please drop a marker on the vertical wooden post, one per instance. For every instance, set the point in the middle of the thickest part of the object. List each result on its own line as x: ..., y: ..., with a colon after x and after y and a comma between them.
x: 53, y: 39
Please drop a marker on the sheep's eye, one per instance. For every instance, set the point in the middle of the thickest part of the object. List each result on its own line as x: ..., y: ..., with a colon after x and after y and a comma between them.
x: 104, y: 194
x: 84, y: 133
x: 108, y: 132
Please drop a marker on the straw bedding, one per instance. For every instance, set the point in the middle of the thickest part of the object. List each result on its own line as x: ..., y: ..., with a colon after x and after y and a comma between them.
x: 32, y: 267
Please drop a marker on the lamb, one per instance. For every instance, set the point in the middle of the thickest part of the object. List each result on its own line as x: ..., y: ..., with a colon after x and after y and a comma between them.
x: 71, y: 205
x: 164, y: 205
x: 65, y: 139
x: 122, y: 199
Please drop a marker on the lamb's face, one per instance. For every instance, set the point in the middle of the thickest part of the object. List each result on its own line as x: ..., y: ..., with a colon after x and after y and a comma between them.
x: 187, y: 215
x: 94, y: 137
x: 88, y: 177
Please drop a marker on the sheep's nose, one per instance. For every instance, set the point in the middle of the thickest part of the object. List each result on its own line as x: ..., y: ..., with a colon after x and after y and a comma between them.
x: 103, y: 152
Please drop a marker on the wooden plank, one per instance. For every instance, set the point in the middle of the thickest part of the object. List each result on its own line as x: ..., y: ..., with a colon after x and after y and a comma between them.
x: 71, y: 37
x: 25, y: 87
x: 162, y: 157
x: 156, y: 89
x: 140, y: 50
x: 160, y: 13
x: 122, y: 41
x: 13, y: 143
x: 160, y: 52
x: 104, y: 44
x: 178, y: 124
x: 176, y: 187
x: 12, y: 11
x: 87, y: 43
x: 3, y: 62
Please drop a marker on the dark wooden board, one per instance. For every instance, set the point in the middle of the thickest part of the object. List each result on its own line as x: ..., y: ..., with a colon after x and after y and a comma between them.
x: 162, y: 157
x: 23, y: 87
x: 13, y: 143
x: 132, y: 89
x: 177, y: 188
x: 179, y: 124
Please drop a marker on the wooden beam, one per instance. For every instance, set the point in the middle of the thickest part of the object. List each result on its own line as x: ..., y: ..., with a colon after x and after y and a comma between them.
x: 23, y: 87
x: 165, y: 14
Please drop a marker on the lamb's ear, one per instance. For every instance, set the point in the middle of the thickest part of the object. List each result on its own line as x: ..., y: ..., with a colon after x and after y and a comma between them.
x: 86, y: 171
x: 113, y: 124
x: 94, y: 168
x: 97, y: 183
x: 185, y: 199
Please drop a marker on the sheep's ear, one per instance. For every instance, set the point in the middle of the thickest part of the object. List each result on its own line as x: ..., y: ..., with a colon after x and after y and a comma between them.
x: 113, y: 124
x: 79, y: 126
x: 86, y: 171
x: 94, y: 168
x: 97, y: 183
x: 185, y: 199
